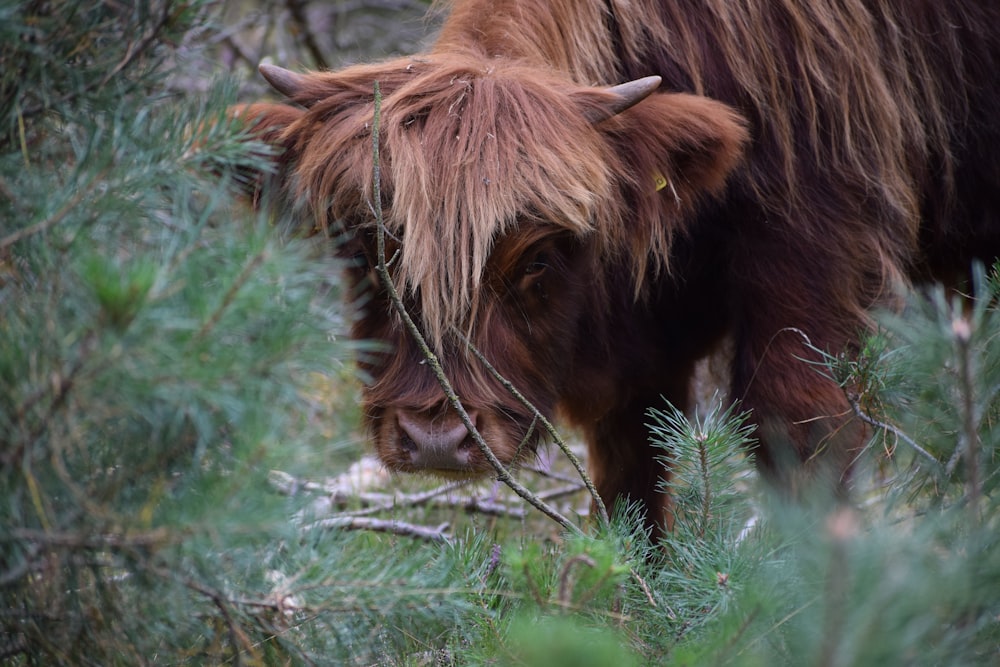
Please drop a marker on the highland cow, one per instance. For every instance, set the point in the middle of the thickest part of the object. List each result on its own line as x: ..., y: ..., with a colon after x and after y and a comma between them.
x: 770, y: 172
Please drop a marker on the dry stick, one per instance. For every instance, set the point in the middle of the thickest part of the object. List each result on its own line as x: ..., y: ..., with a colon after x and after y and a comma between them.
x: 381, y: 502
x: 601, y: 509
x: 961, y: 328
x: 296, y: 9
x: 885, y: 426
x: 549, y: 474
x: 438, y: 534
x: 373, y: 503
x: 383, y: 271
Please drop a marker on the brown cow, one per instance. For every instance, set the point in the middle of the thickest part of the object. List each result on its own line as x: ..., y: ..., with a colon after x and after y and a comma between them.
x: 799, y: 163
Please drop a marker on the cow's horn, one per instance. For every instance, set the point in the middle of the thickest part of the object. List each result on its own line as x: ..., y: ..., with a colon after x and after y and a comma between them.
x: 627, y: 94
x: 284, y: 81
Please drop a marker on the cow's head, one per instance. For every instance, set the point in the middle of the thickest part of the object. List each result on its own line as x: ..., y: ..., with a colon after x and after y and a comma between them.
x: 510, y: 194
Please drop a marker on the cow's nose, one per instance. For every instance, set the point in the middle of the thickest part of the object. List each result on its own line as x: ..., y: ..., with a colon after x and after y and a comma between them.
x: 435, y: 441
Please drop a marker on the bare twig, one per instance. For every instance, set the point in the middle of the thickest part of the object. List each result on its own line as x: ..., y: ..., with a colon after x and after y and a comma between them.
x: 298, y: 13
x: 885, y: 426
x: 438, y: 534
x: 432, y: 361
x: 377, y: 502
x: 580, y: 469
x: 561, y: 491
x: 550, y: 474
x: 969, y: 443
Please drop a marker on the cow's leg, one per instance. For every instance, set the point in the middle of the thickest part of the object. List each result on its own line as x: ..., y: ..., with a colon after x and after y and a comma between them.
x: 807, y: 431
x: 624, y: 465
x: 806, y: 428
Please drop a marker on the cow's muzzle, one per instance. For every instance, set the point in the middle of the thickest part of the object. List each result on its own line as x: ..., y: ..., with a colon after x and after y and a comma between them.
x: 436, y: 442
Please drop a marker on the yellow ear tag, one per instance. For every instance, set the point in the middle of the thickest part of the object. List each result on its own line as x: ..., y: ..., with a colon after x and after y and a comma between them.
x: 660, y: 180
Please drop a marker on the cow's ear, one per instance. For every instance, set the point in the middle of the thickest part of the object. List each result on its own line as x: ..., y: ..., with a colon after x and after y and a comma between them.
x: 685, y: 145
x: 672, y: 150
x: 269, y: 124
x: 682, y: 146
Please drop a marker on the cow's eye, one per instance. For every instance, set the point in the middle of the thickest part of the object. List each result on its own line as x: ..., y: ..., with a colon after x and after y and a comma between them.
x: 537, y: 266
x: 359, y: 259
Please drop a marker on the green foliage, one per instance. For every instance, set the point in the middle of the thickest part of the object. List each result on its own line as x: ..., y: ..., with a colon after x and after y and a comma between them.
x: 709, y: 485
x: 560, y: 642
x: 158, y: 345
x: 910, y: 577
x: 947, y: 394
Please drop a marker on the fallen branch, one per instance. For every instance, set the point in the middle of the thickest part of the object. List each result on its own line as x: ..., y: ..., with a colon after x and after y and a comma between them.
x: 438, y: 534
x: 375, y: 502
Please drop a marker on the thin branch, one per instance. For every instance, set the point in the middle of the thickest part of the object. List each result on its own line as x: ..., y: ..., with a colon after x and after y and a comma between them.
x: 962, y: 330
x: 432, y: 361
x: 863, y: 416
x: 550, y: 474
x: 134, y: 49
x: 438, y: 534
x: 230, y: 295
x: 561, y: 491
x: 376, y: 502
x: 53, y: 219
x: 297, y: 11
x: 580, y: 469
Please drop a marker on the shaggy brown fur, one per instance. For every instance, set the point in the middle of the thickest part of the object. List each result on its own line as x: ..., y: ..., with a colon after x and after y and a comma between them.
x: 872, y: 159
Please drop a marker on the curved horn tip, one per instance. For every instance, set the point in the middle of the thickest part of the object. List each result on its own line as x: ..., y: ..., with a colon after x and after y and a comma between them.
x: 626, y: 95
x: 637, y: 89
x: 286, y: 82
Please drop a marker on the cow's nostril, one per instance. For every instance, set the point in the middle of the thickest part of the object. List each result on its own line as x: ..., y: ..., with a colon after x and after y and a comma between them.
x: 406, y: 442
x: 434, y: 440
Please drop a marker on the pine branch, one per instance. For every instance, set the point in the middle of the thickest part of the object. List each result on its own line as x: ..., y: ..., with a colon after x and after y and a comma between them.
x: 56, y: 217
x: 135, y: 49
x: 231, y: 293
